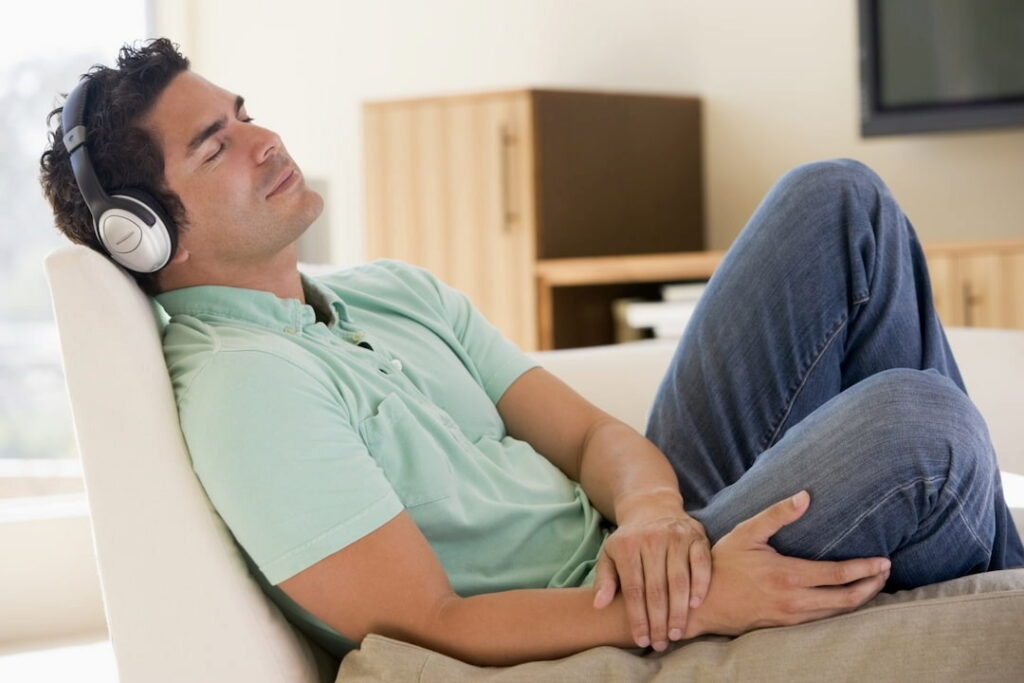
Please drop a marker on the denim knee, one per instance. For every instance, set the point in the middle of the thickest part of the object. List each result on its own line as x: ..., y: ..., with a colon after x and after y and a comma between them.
x: 927, y: 411
x: 826, y: 178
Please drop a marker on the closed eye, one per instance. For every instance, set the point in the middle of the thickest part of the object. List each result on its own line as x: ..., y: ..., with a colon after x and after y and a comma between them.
x: 220, y: 148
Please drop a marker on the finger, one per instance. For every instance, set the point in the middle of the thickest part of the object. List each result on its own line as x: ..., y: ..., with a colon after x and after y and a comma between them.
x: 700, y: 572
x: 654, y: 557
x: 818, y: 603
x: 606, y: 580
x: 678, y: 588
x: 765, y: 524
x: 631, y: 579
x: 825, y: 573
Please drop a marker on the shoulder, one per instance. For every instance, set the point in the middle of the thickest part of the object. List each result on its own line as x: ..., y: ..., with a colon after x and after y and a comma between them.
x: 205, y: 360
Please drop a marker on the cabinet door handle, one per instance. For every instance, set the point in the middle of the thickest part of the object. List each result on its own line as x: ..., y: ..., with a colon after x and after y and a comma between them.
x: 505, y: 141
x: 970, y: 301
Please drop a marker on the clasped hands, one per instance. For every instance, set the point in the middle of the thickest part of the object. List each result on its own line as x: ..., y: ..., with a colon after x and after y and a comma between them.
x: 665, y: 567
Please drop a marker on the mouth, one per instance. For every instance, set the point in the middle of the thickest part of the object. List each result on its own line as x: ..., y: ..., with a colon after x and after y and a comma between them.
x: 289, y: 176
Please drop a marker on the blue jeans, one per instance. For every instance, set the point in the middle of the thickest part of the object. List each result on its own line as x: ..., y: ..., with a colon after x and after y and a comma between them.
x: 815, y: 360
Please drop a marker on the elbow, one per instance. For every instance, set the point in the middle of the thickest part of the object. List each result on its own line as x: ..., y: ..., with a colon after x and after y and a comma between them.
x: 433, y: 631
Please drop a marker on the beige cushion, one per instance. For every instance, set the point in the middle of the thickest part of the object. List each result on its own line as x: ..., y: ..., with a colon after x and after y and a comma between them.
x: 968, y: 629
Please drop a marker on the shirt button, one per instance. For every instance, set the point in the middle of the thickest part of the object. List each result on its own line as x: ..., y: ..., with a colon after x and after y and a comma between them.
x: 358, y: 336
x: 396, y: 364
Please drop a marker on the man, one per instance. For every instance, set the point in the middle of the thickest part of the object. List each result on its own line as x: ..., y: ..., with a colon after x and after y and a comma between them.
x: 389, y: 463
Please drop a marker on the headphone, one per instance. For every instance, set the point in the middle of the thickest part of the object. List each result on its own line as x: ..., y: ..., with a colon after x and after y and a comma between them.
x: 131, y: 225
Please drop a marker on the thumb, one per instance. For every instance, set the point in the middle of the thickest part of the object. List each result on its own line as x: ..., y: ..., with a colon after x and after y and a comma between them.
x: 605, y: 582
x: 765, y: 524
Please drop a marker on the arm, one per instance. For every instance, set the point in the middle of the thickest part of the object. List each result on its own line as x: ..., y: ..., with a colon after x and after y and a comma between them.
x: 659, y: 555
x: 749, y: 585
x: 617, y: 467
x: 390, y: 582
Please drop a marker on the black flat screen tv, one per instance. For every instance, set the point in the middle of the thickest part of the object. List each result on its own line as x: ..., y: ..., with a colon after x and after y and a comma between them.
x: 939, y: 65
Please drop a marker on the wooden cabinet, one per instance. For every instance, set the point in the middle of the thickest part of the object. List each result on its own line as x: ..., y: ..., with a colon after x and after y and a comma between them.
x: 978, y: 284
x: 493, y: 191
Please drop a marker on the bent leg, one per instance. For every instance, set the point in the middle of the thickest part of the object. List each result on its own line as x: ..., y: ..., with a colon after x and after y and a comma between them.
x: 825, y: 286
x: 899, y: 465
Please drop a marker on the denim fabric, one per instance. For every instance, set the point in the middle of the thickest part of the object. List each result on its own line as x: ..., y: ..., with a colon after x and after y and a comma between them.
x: 815, y: 360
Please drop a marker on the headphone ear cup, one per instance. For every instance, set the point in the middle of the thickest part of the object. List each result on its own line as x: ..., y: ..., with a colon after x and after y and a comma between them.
x: 136, y: 245
x: 156, y: 207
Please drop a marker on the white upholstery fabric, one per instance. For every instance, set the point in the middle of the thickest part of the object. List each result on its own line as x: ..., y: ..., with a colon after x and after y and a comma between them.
x: 179, y: 601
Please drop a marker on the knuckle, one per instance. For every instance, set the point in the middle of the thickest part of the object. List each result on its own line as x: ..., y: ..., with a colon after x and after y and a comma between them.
x: 786, y: 580
x: 655, y: 593
x: 789, y: 606
x: 627, y: 545
x: 843, y: 574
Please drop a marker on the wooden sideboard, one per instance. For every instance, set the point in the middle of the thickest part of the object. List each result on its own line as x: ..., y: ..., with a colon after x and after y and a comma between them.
x: 974, y: 284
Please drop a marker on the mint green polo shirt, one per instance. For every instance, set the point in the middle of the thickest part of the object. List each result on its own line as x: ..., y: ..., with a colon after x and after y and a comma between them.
x: 310, y: 426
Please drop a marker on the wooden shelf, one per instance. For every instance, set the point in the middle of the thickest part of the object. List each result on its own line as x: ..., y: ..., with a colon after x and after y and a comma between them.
x: 680, y: 265
x: 598, y: 279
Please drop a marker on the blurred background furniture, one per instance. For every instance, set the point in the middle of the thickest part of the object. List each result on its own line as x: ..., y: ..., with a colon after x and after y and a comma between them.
x: 547, y: 206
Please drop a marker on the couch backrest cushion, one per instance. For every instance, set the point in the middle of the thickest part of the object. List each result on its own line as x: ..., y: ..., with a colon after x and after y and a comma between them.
x: 179, y: 600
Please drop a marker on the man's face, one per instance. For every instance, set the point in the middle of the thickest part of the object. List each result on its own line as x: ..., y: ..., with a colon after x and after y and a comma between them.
x: 245, y: 198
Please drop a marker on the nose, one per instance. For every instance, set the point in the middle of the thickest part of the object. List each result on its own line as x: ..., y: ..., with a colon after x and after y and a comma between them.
x: 266, y: 144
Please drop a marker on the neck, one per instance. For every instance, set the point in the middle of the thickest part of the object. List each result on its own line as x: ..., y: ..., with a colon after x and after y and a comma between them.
x: 278, y: 275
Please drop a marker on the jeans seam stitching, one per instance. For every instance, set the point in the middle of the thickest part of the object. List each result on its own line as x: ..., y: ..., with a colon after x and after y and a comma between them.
x: 803, y: 381
x: 877, y: 505
x: 960, y: 512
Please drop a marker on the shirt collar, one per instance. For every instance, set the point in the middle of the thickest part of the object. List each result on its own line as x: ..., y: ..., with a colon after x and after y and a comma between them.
x: 257, y: 306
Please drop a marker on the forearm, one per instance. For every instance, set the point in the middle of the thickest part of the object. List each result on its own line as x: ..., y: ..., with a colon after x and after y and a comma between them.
x: 620, y: 469
x: 511, y: 627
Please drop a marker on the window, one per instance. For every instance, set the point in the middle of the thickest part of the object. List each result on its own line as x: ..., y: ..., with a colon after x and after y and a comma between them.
x: 50, y: 46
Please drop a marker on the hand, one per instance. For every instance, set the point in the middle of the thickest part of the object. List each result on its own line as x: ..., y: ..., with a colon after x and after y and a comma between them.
x: 661, y: 559
x: 753, y: 586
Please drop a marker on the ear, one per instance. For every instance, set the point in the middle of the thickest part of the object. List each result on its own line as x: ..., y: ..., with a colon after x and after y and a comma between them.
x: 181, y: 255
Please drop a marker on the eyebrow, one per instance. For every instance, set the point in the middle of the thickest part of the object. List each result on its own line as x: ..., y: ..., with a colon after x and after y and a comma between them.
x: 202, y: 136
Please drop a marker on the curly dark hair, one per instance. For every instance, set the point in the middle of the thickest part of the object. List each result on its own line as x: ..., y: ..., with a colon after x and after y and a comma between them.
x: 123, y: 154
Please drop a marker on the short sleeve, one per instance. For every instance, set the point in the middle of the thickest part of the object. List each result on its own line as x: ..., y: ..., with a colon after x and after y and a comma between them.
x: 497, y: 359
x: 276, y: 452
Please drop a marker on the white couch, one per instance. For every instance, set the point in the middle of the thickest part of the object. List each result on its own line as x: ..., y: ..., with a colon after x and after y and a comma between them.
x: 181, y: 605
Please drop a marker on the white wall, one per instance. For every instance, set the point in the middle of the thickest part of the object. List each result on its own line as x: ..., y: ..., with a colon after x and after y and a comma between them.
x: 779, y: 81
